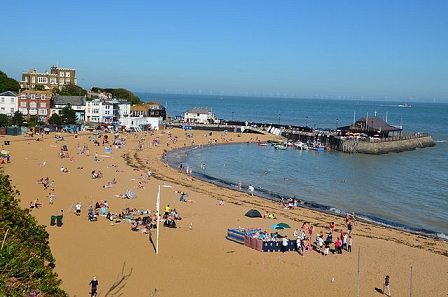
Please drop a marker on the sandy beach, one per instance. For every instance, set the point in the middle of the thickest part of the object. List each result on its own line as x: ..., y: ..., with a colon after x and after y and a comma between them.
x: 198, y: 260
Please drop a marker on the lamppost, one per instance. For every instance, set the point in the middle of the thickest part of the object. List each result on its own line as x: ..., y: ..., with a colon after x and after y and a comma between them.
x: 337, y: 124
x: 279, y: 118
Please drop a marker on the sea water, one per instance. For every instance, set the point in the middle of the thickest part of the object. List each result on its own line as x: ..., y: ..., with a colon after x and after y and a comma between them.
x: 405, y: 190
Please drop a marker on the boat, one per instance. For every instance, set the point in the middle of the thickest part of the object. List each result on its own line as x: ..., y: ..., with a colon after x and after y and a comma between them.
x: 301, y: 146
x: 280, y: 146
x: 262, y: 144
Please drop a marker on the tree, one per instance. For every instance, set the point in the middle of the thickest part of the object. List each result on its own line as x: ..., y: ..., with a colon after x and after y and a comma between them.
x: 33, y: 121
x: 26, y: 262
x: 39, y: 87
x: 68, y: 115
x: 124, y: 94
x: 8, y: 84
x: 18, y: 119
x: 4, y: 120
x: 73, y: 90
x: 55, y: 119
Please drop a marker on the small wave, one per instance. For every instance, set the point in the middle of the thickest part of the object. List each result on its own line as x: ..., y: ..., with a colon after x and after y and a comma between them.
x: 335, y: 210
x: 442, y: 236
x: 440, y: 141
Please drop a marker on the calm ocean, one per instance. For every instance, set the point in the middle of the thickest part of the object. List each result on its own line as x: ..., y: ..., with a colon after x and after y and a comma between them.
x: 405, y: 190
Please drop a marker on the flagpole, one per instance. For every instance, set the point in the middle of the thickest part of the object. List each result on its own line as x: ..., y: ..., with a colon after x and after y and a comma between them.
x: 158, y: 220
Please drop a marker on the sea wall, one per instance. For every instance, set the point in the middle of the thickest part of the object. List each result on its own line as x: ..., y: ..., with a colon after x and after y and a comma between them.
x: 373, y: 146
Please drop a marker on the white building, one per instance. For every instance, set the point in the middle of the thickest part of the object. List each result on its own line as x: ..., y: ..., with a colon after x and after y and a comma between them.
x: 9, y: 103
x: 141, y: 123
x: 200, y: 115
x: 107, y: 111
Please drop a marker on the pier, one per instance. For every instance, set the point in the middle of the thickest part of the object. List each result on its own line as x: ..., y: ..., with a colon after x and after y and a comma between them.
x: 334, y: 140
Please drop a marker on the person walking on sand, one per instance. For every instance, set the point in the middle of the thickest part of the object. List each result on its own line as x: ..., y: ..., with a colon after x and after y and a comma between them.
x: 386, y: 286
x: 78, y: 209
x: 240, y: 185
x: 94, y: 286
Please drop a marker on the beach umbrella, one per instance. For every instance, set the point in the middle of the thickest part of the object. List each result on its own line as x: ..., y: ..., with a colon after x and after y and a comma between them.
x: 4, y: 152
x: 284, y: 225
x: 130, y: 194
x: 277, y: 227
x: 253, y: 213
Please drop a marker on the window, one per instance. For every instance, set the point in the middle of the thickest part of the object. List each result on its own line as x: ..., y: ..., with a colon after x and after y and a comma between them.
x: 67, y: 74
x: 2, y: 108
x: 33, y: 80
x: 33, y: 96
x: 42, y: 97
x: 23, y: 104
x: 43, y: 104
x: 42, y: 80
x: 12, y: 100
x: 23, y: 96
x: 67, y: 81
x: 2, y: 100
x: 12, y: 110
x: 61, y: 74
x: 53, y: 81
x: 33, y: 105
x: 42, y: 112
x: 61, y: 81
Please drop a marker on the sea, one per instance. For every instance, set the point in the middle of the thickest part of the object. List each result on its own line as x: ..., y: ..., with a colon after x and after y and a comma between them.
x: 406, y: 190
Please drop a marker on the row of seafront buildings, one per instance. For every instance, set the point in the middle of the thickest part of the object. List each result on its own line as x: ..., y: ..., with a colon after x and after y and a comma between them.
x: 103, y: 109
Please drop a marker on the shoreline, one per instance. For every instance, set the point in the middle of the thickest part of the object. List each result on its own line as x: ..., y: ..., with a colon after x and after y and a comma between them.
x: 174, y: 157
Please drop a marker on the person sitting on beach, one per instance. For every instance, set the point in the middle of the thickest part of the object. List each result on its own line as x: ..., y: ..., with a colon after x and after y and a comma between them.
x: 220, y: 203
x: 37, y: 203
x: 31, y: 204
x: 271, y: 216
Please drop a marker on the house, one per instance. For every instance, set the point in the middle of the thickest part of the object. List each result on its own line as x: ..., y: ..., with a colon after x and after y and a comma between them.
x: 35, y: 103
x: 107, y: 111
x: 77, y: 103
x: 141, y: 123
x: 149, y: 109
x: 200, y: 115
x: 8, y: 103
x: 56, y: 78
x: 374, y: 126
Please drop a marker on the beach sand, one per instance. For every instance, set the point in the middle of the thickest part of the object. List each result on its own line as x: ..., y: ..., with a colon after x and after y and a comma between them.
x: 200, y: 261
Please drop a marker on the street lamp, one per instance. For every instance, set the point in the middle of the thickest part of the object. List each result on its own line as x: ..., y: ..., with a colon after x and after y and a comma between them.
x: 337, y: 121
x: 279, y: 119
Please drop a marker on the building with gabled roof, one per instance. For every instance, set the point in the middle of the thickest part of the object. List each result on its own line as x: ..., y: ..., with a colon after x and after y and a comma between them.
x: 8, y: 103
x: 374, y: 126
x: 77, y: 103
x: 200, y: 115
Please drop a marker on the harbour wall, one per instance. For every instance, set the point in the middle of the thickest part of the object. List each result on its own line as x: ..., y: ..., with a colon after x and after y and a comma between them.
x: 333, y: 139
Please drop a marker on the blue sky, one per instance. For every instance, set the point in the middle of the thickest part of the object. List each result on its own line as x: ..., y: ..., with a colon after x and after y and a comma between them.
x: 332, y: 49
